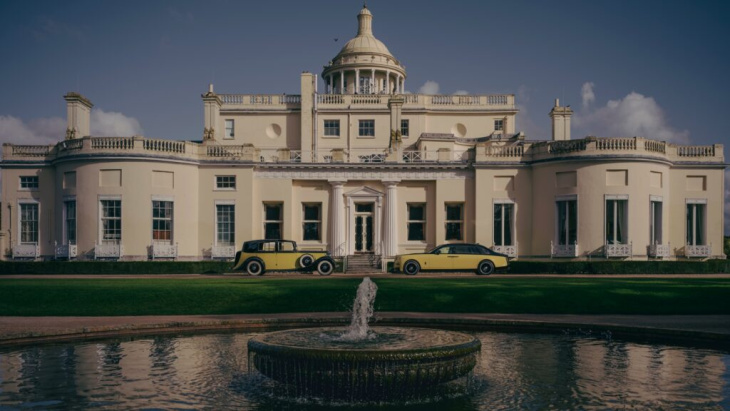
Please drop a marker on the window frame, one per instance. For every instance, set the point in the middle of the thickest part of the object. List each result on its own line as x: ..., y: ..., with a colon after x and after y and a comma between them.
x: 231, y: 223
x: 225, y: 185
x: 31, y: 183
x: 170, y: 220
x: 511, y: 225
x: 230, y: 132
x: 317, y: 222
x: 362, y: 126
x: 279, y: 222
x: 460, y: 221
x: 619, y: 201
x: 102, y: 218
x: 410, y: 221
x: 34, y: 223
x: 656, y: 230
x: 695, y: 204
x: 66, y: 239
x: 499, y: 124
x: 327, y: 129
x: 567, y: 200
x: 405, y: 127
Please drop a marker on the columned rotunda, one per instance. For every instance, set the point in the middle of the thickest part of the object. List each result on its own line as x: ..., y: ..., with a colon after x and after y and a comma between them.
x: 355, y: 165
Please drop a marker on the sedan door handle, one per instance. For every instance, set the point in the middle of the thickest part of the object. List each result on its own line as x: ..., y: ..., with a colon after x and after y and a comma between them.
x: 453, y: 256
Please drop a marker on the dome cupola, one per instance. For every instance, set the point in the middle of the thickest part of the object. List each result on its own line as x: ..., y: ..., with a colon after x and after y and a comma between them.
x: 364, y: 65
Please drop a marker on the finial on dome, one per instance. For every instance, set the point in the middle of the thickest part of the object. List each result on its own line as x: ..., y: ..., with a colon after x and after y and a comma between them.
x: 364, y: 19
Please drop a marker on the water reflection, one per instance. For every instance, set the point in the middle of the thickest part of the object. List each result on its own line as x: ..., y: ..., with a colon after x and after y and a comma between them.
x: 515, y: 371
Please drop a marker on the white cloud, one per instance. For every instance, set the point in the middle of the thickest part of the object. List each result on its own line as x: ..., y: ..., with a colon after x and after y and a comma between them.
x: 39, y: 131
x: 50, y: 130
x: 461, y: 93
x: 633, y: 115
x: 429, y: 87
x: 112, y: 124
x: 587, y: 93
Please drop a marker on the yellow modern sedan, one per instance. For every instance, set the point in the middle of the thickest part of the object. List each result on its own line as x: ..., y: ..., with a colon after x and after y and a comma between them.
x: 452, y: 257
x: 258, y: 256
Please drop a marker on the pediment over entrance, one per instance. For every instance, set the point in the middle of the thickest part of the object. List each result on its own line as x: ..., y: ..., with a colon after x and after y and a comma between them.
x: 364, y: 192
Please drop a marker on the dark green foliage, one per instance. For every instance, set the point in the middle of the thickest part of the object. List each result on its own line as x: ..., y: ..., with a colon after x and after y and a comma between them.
x: 727, y: 247
x: 119, y: 267
x: 620, y: 267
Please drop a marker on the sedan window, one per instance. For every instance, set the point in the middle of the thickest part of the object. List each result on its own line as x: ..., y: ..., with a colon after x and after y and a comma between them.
x: 461, y: 249
x: 268, y: 247
x: 287, y: 246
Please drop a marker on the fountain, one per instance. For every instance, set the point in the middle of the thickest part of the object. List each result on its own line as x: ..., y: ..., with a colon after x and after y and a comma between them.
x: 363, y: 363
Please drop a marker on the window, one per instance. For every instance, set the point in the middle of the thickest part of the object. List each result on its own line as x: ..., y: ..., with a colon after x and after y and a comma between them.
x: 454, y: 221
x: 272, y: 221
x: 655, y: 221
x: 503, y: 227
x: 416, y: 222
x: 69, y: 228
x: 29, y: 182
x: 567, y: 218
x: 404, y: 129
x: 287, y: 247
x: 311, y: 222
x: 367, y: 128
x: 111, y: 221
x: 29, y: 223
x: 365, y: 85
x: 229, y: 129
x: 617, y: 230
x: 225, y: 182
x: 162, y: 221
x: 498, y: 125
x: 696, y: 224
x: 225, y: 224
x: 332, y: 128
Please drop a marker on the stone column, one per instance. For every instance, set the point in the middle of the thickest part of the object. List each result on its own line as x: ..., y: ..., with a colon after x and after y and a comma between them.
x: 332, y: 85
x: 342, y: 82
x: 357, y: 81
x: 373, y: 87
x: 337, y: 219
x: 387, y: 82
x: 390, y: 242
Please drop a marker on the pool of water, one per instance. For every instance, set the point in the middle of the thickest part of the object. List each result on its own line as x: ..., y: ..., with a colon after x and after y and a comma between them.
x: 515, y: 371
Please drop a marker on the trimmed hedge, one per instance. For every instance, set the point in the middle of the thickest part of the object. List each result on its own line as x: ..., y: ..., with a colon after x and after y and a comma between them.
x: 620, y: 267
x: 120, y: 267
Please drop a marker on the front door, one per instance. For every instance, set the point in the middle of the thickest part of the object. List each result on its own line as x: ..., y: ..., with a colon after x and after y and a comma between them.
x: 364, y: 227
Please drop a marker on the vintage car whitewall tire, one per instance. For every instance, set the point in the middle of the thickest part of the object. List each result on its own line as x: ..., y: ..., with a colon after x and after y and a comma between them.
x: 306, y: 260
x: 486, y: 267
x: 411, y: 267
x: 254, y: 267
x: 325, y: 267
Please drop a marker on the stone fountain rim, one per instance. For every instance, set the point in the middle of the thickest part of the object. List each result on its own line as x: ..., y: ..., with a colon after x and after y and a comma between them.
x: 469, y: 345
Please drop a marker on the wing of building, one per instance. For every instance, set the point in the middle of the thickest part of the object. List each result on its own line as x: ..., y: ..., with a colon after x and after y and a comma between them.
x: 357, y: 165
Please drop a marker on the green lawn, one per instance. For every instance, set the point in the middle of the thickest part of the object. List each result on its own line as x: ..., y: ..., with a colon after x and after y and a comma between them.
x: 236, y: 295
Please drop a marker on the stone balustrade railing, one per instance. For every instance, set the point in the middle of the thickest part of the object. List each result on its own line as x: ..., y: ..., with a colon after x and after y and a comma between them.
x: 436, y: 102
x: 260, y: 99
x: 489, y: 151
x: 526, y: 151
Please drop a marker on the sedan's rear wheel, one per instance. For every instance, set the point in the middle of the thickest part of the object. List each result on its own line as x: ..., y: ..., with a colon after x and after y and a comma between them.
x: 306, y: 260
x: 411, y: 267
x: 486, y: 267
x: 325, y: 267
x: 254, y: 267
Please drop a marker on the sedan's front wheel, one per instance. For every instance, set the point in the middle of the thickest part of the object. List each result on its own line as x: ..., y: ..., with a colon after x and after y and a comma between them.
x: 306, y: 260
x: 325, y: 267
x: 254, y: 267
x: 411, y: 268
x: 486, y: 267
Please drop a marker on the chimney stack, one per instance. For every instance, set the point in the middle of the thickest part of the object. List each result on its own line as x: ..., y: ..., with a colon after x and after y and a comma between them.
x: 78, y: 115
x: 561, y: 121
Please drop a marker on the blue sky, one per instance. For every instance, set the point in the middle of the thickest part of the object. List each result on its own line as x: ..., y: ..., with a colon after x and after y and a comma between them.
x: 652, y: 68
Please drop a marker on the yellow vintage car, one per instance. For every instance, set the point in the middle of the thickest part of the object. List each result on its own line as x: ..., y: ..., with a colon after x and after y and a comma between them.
x: 453, y: 257
x: 258, y: 256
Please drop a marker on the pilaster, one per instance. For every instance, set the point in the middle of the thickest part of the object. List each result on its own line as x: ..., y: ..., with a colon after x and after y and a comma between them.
x: 337, y: 219
x: 390, y: 240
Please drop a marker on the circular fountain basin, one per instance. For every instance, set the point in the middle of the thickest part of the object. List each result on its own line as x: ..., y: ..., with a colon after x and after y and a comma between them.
x: 393, y: 361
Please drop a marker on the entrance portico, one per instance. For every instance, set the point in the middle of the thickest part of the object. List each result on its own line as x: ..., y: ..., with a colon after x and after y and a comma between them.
x: 364, y: 207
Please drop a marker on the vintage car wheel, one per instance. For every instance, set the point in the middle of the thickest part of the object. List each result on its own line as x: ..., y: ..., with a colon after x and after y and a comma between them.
x: 486, y: 267
x: 306, y: 260
x: 254, y: 267
x: 411, y: 267
x: 325, y: 267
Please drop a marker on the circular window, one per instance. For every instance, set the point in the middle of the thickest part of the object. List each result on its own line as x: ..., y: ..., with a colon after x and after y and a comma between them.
x: 459, y: 130
x: 273, y: 130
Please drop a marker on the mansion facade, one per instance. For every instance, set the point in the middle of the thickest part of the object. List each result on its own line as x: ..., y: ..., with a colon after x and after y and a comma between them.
x: 359, y: 167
